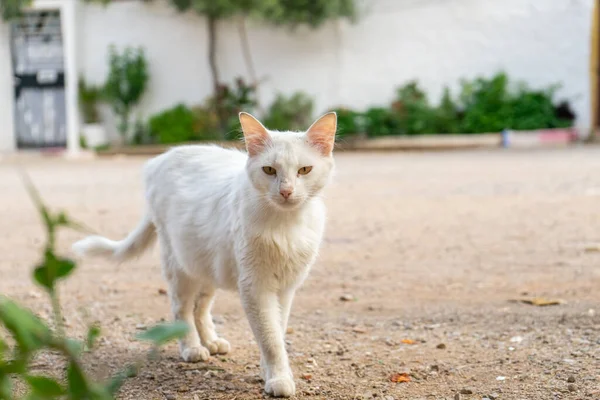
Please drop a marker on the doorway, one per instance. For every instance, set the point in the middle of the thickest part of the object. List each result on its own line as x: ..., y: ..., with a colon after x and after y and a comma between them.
x: 39, y: 80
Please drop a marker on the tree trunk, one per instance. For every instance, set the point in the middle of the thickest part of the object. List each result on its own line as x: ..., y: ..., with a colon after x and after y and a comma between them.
x: 212, y: 61
x: 248, y: 57
x: 212, y: 52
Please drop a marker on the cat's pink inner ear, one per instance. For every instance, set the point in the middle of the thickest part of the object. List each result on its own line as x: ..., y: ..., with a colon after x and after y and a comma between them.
x: 321, y: 134
x: 255, y: 134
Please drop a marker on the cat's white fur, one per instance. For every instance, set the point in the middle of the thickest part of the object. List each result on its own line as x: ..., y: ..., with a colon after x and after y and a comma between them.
x: 223, y: 222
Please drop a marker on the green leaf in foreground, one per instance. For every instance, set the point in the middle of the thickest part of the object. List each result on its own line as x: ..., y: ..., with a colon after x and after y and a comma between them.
x: 52, y: 269
x: 116, y: 382
x: 65, y: 267
x: 5, y: 386
x: 28, y: 330
x: 92, y: 335
x: 63, y: 220
x: 42, y: 276
x: 3, y: 349
x: 78, y: 387
x: 45, y: 386
x: 163, y: 333
x: 37, y: 201
x: 74, y: 346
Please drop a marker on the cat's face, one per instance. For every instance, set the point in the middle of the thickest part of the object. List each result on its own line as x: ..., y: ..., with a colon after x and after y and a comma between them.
x: 289, y: 168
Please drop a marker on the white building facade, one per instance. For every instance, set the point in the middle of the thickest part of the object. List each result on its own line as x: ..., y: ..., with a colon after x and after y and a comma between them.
x: 359, y: 65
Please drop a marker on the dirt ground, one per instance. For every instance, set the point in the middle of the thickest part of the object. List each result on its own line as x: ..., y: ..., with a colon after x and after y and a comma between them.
x: 429, y: 247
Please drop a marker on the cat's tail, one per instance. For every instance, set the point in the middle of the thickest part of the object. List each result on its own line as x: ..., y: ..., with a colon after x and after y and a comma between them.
x: 134, y: 244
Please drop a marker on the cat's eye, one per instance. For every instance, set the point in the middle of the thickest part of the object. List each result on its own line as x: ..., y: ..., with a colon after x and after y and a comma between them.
x: 304, y: 170
x: 269, y: 170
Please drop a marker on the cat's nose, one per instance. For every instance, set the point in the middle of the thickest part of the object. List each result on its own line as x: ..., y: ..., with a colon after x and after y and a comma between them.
x: 286, y: 193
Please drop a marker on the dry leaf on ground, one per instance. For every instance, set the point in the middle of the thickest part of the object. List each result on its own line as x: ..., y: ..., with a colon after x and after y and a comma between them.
x: 542, y: 302
x: 399, y: 378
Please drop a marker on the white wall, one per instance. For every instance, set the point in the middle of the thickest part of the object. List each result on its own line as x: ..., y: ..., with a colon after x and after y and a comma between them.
x: 438, y: 42
x: 7, y: 92
x: 434, y: 41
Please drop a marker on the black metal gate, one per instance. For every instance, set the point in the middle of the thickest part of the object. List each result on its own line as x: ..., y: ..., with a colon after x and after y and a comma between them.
x: 38, y: 65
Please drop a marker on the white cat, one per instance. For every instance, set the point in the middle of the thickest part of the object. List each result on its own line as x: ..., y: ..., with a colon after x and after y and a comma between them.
x: 248, y: 222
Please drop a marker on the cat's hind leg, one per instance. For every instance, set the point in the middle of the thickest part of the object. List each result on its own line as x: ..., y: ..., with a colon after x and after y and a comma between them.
x: 182, y: 294
x: 205, y: 324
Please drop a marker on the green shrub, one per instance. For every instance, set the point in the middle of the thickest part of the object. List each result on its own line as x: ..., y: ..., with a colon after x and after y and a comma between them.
x: 349, y: 122
x: 10, y: 9
x: 126, y: 83
x: 31, y: 335
x: 227, y: 104
x: 447, y: 116
x: 206, y: 123
x: 483, y: 105
x: 141, y: 132
x: 290, y: 113
x: 89, y: 97
x: 412, y: 111
x: 491, y: 105
x: 534, y: 109
x: 486, y: 104
x: 381, y: 121
x: 175, y: 125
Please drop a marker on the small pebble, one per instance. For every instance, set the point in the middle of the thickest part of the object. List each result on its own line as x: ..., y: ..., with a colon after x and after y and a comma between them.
x: 170, y: 396
x: 441, y: 346
x: 346, y: 297
x: 571, y: 387
x: 493, y: 396
x: 516, y: 339
x: 466, y: 391
x: 571, y: 379
x: 457, y: 396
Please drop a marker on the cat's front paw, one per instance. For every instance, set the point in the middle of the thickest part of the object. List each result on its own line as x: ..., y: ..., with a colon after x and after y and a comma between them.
x: 195, y: 354
x: 281, y: 387
x: 218, y: 346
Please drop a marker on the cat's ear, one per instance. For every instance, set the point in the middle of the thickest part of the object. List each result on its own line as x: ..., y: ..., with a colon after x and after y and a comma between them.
x: 321, y: 133
x: 256, y: 135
